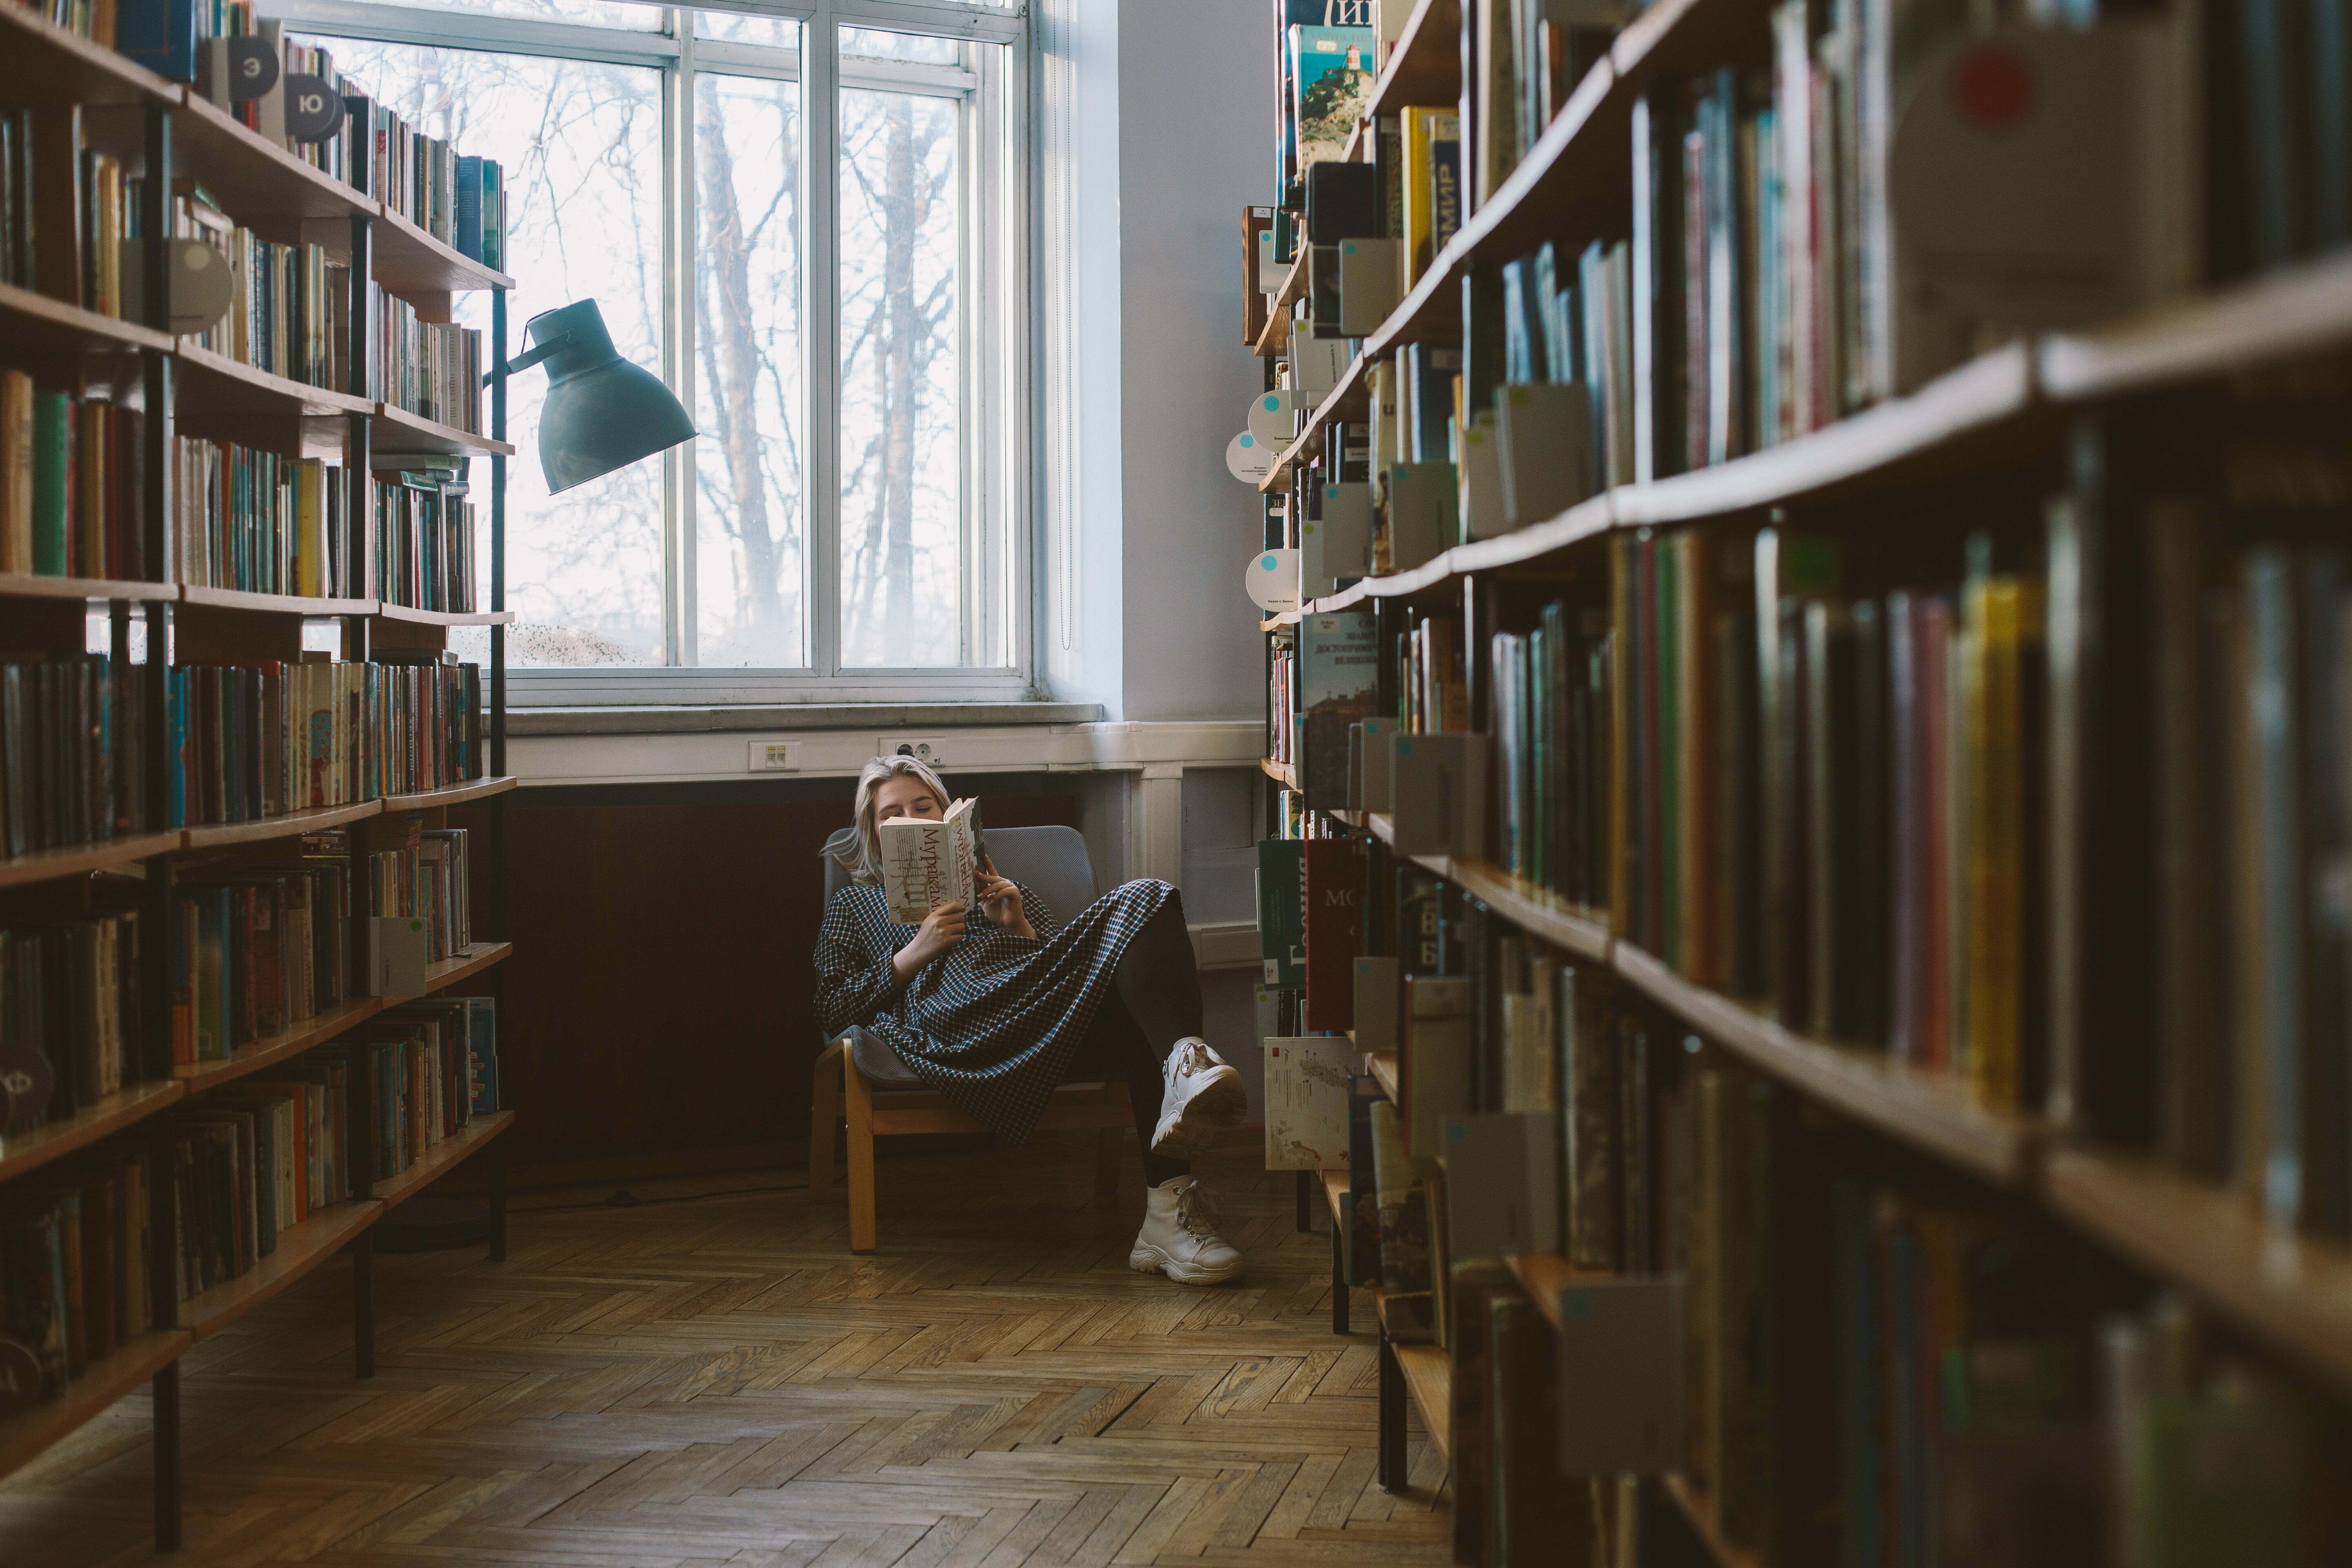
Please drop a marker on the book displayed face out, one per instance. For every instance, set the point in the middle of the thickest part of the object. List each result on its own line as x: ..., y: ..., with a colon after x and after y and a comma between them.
x: 926, y: 863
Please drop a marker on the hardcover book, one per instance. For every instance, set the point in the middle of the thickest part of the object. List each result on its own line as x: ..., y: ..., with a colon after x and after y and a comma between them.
x: 1339, y: 665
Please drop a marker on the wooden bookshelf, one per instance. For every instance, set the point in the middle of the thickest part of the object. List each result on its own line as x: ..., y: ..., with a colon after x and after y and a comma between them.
x: 223, y: 834
x: 410, y: 261
x: 454, y: 794
x: 465, y: 966
x: 398, y: 430
x: 1536, y: 910
x: 275, y: 603
x: 1428, y: 1380
x: 284, y: 1045
x: 1283, y: 773
x: 1541, y: 1275
x: 34, y: 585
x: 22, y: 1152
x: 1698, y: 1508
x: 250, y: 176
x: 1929, y: 1110
x: 1383, y: 1066
x: 2303, y: 310
x: 1336, y: 1187
x: 389, y: 611
x: 1424, y: 64
x: 299, y: 1248
x: 53, y: 327
x: 2293, y: 1291
x: 24, y: 1434
x: 73, y: 859
x: 1958, y: 423
x: 40, y: 60
x: 224, y: 392
x: 264, y: 186
x: 442, y: 1158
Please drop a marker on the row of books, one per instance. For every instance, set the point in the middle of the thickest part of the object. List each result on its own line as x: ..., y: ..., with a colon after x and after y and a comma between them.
x: 1282, y: 699
x: 254, y: 742
x: 1982, y: 1400
x: 72, y: 743
x: 70, y: 1003
x: 237, y: 1169
x: 423, y: 875
x: 77, y: 1245
x: 248, y: 518
x: 70, y: 472
x: 260, y: 949
x: 459, y: 202
x: 261, y: 1155
x: 426, y: 545
x: 1552, y: 727
x: 288, y: 304
x: 430, y: 368
x: 65, y: 209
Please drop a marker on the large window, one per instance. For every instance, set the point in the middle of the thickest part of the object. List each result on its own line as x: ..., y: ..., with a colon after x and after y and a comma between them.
x: 813, y: 230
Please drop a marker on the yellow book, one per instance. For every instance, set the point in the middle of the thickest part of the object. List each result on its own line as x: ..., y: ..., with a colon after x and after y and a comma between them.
x: 311, y: 529
x: 1432, y: 136
x: 15, y: 471
x: 91, y: 461
x: 2003, y: 622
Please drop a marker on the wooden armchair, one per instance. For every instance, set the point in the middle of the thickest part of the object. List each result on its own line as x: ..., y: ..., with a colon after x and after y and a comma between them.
x: 861, y: 1082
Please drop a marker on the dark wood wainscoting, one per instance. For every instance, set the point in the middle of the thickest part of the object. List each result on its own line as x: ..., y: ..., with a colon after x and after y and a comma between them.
x: 658, y: 1011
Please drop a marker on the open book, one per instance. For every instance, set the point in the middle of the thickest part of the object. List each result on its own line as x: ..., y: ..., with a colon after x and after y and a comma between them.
x: 926, y: 863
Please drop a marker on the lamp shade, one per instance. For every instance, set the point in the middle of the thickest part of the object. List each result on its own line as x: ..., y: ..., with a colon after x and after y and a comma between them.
x: 601, y: 413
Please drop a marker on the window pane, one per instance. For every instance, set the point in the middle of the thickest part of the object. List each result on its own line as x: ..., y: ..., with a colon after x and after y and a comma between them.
x: 873, y: 43
x: 586, y: 13
x: 736, y: 28
x: 580, y: 147
x: 751, y: 539
x: 902, y: 511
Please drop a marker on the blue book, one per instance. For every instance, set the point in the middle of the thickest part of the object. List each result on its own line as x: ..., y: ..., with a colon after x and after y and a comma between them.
x: 158, y: 34
x: 468, y: 234
x: 481, y: 1053
x: 175, y: 702
x: 494, y: 216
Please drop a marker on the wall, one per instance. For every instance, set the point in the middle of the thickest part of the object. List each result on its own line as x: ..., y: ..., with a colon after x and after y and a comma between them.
x: 1196, y: 117
x: 1161, y: 377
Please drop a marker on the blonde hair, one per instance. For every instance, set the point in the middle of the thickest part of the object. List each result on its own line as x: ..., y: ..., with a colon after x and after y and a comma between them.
x: 859, y: 848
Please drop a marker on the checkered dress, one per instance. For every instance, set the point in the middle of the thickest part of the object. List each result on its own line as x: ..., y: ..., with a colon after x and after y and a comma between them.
x: 993, y: 1022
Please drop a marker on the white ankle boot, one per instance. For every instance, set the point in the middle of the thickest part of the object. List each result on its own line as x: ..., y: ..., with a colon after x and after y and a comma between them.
x: 1202, y: 1092
x: 1176, y: 1239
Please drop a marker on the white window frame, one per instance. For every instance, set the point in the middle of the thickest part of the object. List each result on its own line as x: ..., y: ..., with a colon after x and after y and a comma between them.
x: 997, y: 284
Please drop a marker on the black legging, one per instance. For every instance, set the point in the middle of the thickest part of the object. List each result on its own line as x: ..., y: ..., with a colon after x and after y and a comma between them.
x: 1157, y: 1003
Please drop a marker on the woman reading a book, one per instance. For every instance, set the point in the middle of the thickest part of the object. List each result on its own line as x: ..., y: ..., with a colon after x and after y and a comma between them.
x: 994, y: 1008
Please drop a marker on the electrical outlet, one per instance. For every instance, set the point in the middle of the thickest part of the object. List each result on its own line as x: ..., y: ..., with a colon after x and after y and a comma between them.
x: 772, y: 756
x: 926, y: 751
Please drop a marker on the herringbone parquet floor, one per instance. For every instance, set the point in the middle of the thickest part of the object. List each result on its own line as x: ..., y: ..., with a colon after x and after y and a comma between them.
x: 712, y: 1377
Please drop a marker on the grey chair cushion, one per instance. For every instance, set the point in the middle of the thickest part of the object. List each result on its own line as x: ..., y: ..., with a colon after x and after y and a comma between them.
x: 877, y: 1063
x: 1051, y: 862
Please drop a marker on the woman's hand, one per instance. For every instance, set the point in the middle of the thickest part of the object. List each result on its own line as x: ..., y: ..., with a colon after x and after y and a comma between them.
x: 1002, y: 901
x: 941, y: 929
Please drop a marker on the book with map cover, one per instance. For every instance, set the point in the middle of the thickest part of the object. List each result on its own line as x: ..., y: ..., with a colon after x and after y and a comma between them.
x: 926, y: 863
